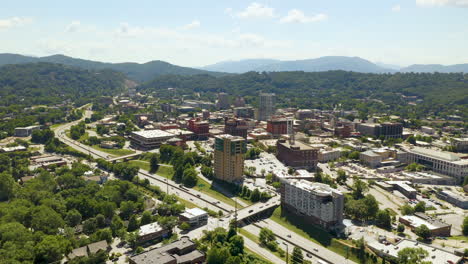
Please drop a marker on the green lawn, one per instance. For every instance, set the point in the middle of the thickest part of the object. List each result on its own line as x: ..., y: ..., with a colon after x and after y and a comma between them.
x: 461, y: 238
x: 115, y: 152
x: 54, y: 126
x: 256, y: 255
x: 313, y: 233
x: 205, y: 187
x: 166, y: 172
x: 255, y: 239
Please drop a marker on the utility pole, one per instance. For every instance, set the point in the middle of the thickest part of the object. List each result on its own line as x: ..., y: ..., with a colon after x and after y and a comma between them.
x: 287, y: 251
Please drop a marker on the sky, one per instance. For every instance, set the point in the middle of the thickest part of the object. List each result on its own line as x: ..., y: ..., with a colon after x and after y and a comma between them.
x: 197, y: 33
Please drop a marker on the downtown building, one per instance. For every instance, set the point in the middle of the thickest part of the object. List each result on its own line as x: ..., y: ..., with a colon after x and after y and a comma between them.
x: 297, y: 154
x: 442, y: 162
x: 235, y: 127
x: 387, y: 129
x: 266, y: 107
x: 229, y: 157
x: 317, y: 203
x: 277, y: 126
x: 200, y: 127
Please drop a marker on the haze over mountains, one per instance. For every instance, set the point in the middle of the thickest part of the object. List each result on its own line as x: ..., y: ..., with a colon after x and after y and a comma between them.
x: 148, y: 71
x: 327, y: 63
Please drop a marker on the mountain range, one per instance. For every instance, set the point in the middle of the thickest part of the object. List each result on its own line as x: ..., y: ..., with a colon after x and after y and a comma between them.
x: 328, y: 63
x: 135, y: 71
x: 144, y: 72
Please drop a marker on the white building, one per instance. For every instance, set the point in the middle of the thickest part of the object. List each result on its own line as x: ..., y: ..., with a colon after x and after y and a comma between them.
x: 329, y: 154
x: 436, y: 255
x: 149, y: 139
x: 460, y: 144
x: 316, y: 202
x: 427, y: 130
x: 439, y: 161
x: 194, y: 216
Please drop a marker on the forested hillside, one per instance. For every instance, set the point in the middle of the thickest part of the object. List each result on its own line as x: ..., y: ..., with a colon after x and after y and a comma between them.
x: 135, y: 71
x: 45, y: 83
x: 440, y: 93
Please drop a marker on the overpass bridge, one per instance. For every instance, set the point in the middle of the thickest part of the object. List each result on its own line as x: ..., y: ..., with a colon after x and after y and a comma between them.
x: 258, y: 209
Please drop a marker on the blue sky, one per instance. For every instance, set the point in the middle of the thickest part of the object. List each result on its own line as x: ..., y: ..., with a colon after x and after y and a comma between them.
x: 197, y: 33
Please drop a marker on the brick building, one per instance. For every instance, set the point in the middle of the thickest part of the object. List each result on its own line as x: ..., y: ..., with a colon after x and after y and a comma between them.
x: 199, y: 127
x: 297, y: 155
x: 235, y: 127
x: 277, y: 126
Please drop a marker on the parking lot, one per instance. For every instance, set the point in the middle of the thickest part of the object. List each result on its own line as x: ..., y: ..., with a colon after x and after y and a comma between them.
x: 267, y: 162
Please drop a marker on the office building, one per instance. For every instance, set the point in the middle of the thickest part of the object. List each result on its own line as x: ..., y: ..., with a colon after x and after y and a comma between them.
x: 244, y: 112
x: 277, y: 126
x: 302, y: 114
x: 460, y: 144
x: 25, y: 131
x: 436, y: 227
x: 152, y: 231
x: 239, y: 102
x: 200, y: 127
x: 297, y: 155
x: 194, y: 217
x: 387, y: 130
x: 454, y: 197
x: 235, y: 127
x: 223, y: 101
x: 403, y: 187
x: 443, y: 162
x: 182, y: 251
x: 149, y: 139
x: 316, y: 202
x: 267, y: 104
x: 436, y: 255
x: 229, y: 157
x: 329, y: 154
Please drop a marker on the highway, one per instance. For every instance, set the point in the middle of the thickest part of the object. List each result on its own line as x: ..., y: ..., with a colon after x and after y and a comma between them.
x: 203, y: 200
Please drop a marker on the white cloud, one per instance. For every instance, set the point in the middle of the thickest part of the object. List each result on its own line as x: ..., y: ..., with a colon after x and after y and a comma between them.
x: 73, y: 26
x: 256, y: 10
x: 297, y: 16
x: 456, y: 3
x: 192, y: 25
x: 13, y: 22
x: 396, y: 8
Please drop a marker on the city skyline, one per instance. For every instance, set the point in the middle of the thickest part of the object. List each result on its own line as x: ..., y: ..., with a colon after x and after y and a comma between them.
x: 194, y: 34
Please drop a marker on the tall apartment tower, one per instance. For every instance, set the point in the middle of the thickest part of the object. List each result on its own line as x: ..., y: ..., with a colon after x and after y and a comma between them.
x: 266, y: 107
x: 229, y: 157
x: 223, y: 101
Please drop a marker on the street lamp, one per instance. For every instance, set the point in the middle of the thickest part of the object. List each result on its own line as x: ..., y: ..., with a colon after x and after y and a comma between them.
x: 287, y: 251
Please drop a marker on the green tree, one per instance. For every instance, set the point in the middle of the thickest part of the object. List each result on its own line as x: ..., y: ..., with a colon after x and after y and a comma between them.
x: 146, y: 218
x: 400, y: 228
x: 412, y: 256
x: 423, y: 231
x: 383, y: 219
x: 7, y: 186
x: 50, y: 249
x: 154, y: 163
x: 420, y: 207
x: 341, y: 178
x: 90, y: 226
x: 359, y: 188
x: 116, y: 225
x: 266, y: 236
x: 46, y: 220
x: 236, y: 245
x: 465, y: 226
x: 189, y: 177
x: 407, y: 210
x: 255, y: 196
x: 184, y: 226
x: 297, y: 257
x: 372, y: 206
x: 132, y: 224
x: 217, y: 255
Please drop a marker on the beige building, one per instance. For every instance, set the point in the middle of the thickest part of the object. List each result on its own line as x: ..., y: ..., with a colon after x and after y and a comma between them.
x: 229, y: 157
x: 316, y: 202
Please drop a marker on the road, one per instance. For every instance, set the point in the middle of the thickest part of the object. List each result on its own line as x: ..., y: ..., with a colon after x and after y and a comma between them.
x: 203, y: 200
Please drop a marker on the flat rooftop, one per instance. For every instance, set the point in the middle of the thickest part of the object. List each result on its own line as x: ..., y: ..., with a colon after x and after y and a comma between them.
x: 315, y: 187
x: 194, y: 212
x: 150, y: 228
x: 297, y: 144
x: 421, y: 219
x: 443, y: 155
x: 436, y: 255
x: 231, y: 137
x: 156, y: 133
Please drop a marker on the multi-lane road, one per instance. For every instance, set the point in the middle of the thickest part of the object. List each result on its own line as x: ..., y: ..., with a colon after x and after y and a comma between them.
x: 203, y: 200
